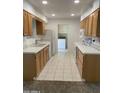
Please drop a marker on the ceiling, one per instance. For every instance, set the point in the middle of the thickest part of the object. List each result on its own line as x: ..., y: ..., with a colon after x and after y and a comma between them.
x: 62, y: 8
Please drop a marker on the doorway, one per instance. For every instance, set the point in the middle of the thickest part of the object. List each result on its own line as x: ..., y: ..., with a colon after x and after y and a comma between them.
x: 63, y: 37
x: 62, y: 42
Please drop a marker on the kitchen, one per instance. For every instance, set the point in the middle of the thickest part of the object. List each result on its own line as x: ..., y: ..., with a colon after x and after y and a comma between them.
x: 79, y: 23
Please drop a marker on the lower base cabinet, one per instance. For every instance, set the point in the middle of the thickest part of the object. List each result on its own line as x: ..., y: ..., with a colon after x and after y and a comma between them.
x: 33, y: 64
x: 88, y: 65
x: 46, y: 55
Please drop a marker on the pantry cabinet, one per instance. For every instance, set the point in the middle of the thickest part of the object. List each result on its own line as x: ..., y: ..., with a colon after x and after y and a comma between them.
x: 27, y: 23
x: 88, y: 66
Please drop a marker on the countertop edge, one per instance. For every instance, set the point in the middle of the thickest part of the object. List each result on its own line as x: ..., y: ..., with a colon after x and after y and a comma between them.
x: 78, y: 45
x: 38, y: 50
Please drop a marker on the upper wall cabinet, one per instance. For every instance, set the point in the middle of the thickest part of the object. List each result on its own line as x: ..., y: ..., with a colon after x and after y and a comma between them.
x: 27, y: 24
x: 96, y: 23
x: 40, y: 27
x: 91, y: 24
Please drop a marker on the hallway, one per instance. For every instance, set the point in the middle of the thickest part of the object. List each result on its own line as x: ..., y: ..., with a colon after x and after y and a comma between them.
x: 61, y: 67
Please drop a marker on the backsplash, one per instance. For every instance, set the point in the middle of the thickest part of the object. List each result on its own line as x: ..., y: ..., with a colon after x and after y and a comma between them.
x: 89, y: 40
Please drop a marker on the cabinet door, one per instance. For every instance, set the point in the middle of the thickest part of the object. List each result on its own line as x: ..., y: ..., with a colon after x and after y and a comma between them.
x: 45, y: 57
x: 98, y: 25
x: 38, y: 63
x: 81, y: 24
x: 47, y: 53
x: 29, y: 24
x: 42, y: 60
x: 80, y: 56
x: 86, y: 26
x: 79, y: 66
x: 89, y: 32
x: 76, y: 55
x: 25, y: 23
x: 40, y: 28
x: 43, y: 28
x: 94, y: 26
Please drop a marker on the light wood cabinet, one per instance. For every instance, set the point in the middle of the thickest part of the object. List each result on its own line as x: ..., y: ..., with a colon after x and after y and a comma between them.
x: 91, y: 24
x: 89, y: 31
x: 42, y: 60
x: 40, y: 27
x: 96, y: 23
x: 38, y: 63
x: 46, y: 55
x: 33, y: 64
x: 86, y: 25
x: 27, y: 23
x: 88, y: 65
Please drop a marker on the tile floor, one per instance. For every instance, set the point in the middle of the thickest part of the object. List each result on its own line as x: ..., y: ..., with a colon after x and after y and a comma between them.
x: 61, y: 67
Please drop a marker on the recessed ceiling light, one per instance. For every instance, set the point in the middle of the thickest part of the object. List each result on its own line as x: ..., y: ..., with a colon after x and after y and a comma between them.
x: 44, y: 2
x: 53, y: 14
x: 72, y: 14
x: 76, y: 1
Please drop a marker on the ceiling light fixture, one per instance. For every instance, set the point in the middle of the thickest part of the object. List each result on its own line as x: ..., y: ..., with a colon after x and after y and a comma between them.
x: 53, y: 14
x: 72, y: 14
x: 44, y: 2
x: 76, y: 1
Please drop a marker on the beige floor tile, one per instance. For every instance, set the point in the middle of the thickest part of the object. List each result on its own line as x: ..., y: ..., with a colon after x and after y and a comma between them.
x: 61, y: 67
x: 58, y: 77
x: 68, y: 78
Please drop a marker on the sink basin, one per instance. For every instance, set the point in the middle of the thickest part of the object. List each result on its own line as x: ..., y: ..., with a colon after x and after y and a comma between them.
x: 38, y: 45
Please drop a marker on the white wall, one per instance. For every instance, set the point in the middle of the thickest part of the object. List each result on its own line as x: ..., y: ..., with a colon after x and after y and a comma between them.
x: 63, y: 28
x: 28, y: 7
x: 91, y: 9
x: 73, y: 33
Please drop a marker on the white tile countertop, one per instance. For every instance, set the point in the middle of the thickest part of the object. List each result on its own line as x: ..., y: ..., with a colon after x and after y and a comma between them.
x: 35, y: 49
x: 87, y: 49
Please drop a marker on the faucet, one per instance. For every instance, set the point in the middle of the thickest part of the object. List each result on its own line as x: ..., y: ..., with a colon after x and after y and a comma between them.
x: 36, y: 41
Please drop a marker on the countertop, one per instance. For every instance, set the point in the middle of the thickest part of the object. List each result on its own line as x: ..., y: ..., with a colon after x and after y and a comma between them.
x: 87, y: 49
x: 35, y: 49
